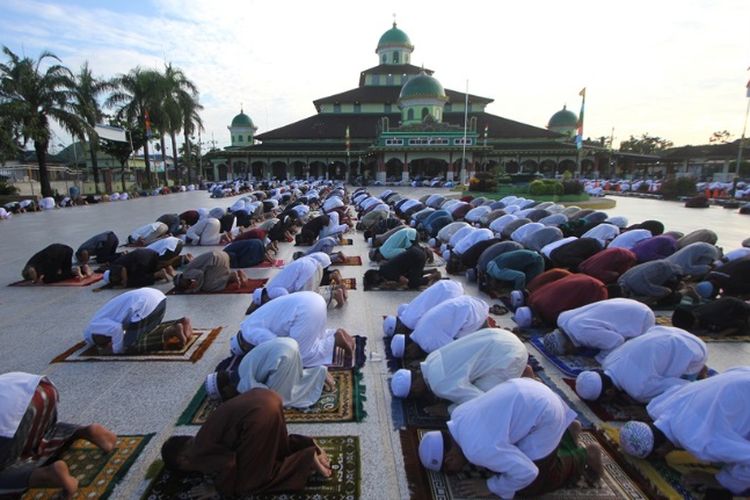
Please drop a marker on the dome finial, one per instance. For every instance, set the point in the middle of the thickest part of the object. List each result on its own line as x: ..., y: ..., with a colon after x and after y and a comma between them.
x: 394, y: 19
x: 242, y: 107
x: 565, y: 106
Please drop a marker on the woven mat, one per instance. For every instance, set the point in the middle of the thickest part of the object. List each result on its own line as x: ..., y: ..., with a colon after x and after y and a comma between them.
x: 97, y: 473
x: 616, y: 483
x: 344, y: 484
x: 192, y: 352
x: 89, y: 280
x: 620, y: 409
x: 350, y: 260
x: 250, y: 285
x: 344, y: 404
x: 570, y: 364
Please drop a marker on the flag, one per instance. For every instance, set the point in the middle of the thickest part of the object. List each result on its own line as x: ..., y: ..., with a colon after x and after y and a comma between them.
x: 347, y: 140
x: 579, y: 132
x: 147, y: 121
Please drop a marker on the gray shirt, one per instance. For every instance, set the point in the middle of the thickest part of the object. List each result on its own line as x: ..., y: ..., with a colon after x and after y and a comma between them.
x: 647, y: 279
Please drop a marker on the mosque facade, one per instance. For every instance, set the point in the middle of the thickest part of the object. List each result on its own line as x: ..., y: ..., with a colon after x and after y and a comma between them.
x: 400, y: 123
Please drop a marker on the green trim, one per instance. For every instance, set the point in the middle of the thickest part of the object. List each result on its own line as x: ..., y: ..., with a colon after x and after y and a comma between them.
x: 125, y: 467
x: 187, y: 416
x: 359, y: 396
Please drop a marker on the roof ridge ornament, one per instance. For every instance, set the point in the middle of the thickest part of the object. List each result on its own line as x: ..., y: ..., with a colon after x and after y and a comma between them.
x: 394, y: 19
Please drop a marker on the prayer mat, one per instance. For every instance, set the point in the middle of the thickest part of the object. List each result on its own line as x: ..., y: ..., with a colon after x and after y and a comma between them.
x: 581, y: 417
x: 570, y: 364
x: 344, y: 404
x: 265, y: 264
x: 346, y: 242
x: 528, y: 333
x: 193, y: 351
x: 349, y: 283
x: 344, y: 484
x: 412, y: 412
x: 249, y: 287
x: 667, y: 321
x: 662, y: 475
x: 349, y: 260
x: 620, y: 409
x: 89, y: 280
x: 97, y: 473
x: 341, y: 360
x: 615, y: 484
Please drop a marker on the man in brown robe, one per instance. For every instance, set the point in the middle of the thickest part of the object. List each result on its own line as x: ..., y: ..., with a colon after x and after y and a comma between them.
x: 245, y: 446
x: 208, y: 272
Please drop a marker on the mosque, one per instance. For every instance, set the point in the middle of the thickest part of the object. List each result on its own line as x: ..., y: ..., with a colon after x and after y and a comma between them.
x: 400, y: 123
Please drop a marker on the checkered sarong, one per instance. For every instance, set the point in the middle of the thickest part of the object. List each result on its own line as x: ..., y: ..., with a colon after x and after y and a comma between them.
x: 153, y: 340
x: 135, y: 332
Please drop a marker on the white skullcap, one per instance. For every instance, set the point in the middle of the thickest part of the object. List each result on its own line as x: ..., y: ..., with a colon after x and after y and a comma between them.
x: 322, y: 258
x: 447, y: 254
x: 276, y: 292
x: 431, y: 450
x: 234, y: 345
x: 516, y: 298
x: 258, y: 296
x: 389, y: 325
x: 432, y: 242
x: 637, y: 439
x: 105, y: 278
x: 212, y: 386
x: 398, y: 345
x: 589, y: 385
x: 401, y: 309
x: 401, y: 383
x: 523, y: 317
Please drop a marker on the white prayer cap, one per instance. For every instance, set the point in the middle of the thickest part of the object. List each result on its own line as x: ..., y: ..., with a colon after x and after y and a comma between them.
x: 401, y: 383
x: 398, y: 345
x: 370, y: 241
x: 447, y: 254
x: 276, y: 292
x: 553, y: 342
x: 618, y: 220
x: 516, y: 298
x: 389, y: 325
x: 443, y: 247
x: 431, y: 450
x: 523, y: 317
x: 636, y: 439
x: 234, y: 345
x: 589, y: 385
x: 432, y: 242
x: 258, y: 296
x: 212, y: 386
x: 105, y: 278
x: 401, y: 309
x: 322, y: 258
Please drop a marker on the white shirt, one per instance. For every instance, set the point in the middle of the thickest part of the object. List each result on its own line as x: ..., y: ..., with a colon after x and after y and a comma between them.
x: 472, y: 239
x: 409, y: 204
x: 165, y: 244
x: 16, y: 391
x: 205, y: 232
x: 461, y: 234
x: 129, y: 307
x: 474, y: 364
x: 437, y: 293
x: 709, y: 418
x: 547, y: 249
x: 628, y: 239
x: 525, y: 231
x: 298, y: 275
x: 606, y: 324
x: 653, y: 363
x: 452, y: 319
x: 499, y: 224
x: 148, y: 230
x: 509, y: 427
x: 603, y: 233
x: 301, y: 316
x: 447, y: 232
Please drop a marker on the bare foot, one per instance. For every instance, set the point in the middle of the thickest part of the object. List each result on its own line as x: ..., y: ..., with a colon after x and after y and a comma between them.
x: 100, y: 436
x: 575, y: 430
x: 338, y: 296
x: 593, y: 471
x: 187, y: 328
x: 55, y: 475
x: 324, y: 459
x: 330, y: 384
x: 528, y: 372
x: 344, y: 340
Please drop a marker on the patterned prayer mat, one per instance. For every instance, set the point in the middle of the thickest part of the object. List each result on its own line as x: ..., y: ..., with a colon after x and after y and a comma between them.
x: 97, y: 473
x: 570, y: 364
x: 250, y: 285
x: 667, y: 321
x: 620, y: 409
x: 349, y: 283
x: 346, y: 242
x: 615, y: 484
x: 344, y: 404
x: 574, y: 405
x: 350, y: 260
x: 530, y: 332
x: 89, y: 280
x: 192, y: 352
x: 342, y: 485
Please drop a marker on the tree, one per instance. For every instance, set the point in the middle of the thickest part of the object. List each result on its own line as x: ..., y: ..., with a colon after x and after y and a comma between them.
x: 645, y: 144
x: 191, y: 123
x: 121, y: 151
x: 721, y: 137
x: 86, y: 95
x: 177, y: 90
x: 9, y: 147
x: 30, y: 97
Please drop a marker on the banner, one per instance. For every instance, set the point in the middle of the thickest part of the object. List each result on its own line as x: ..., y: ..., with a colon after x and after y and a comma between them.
x: 106, y: 132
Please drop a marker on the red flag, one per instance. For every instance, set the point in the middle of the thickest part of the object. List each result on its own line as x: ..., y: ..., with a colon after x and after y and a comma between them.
x: 147, y: 121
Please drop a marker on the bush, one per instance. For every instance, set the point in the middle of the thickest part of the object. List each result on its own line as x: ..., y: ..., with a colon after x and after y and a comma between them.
x: 673, y: 188
x: 483, y: 181
x: 7, y: 189
x: 572, y: 187
x: 546, y: 187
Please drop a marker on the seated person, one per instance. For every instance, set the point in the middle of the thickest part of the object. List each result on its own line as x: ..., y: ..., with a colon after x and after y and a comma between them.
x: 465, y: 368
x: 656, y: 282
x: 301, y: 316
x: 514, y: 269
x: 441, y: 325
x: 405, y: 270
x: 646, y: 366
x: 695, y: 259
x: 206, y: 232
x: 409, y: 314
x: 169, y: 250
x: 137, y: 269
x: 147, y: 234
x: 245, y: 448
x: 572, y: 254
x: 523, y: 433
x: 131, y: 323
x: 102, y: 248
x: 730, y: 279
x: 175, y: 226
x: 726, y: 316
x: 247, y: 253
x: 603, y: 325
x: 208, y: 272
x: 609, y: 264
x: 707, y: 419
x: 52, y: 264
x: 275, y: 365
x: 32, y: 439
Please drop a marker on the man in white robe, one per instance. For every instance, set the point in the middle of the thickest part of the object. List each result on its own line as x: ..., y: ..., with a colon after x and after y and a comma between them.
x: 647, y: 366
x: 523, y: 232
x: 628, y: 239
x: 447, y: 232
x: 333, y: 228
x: 465, y: 368
x: 148, y: 233
x: 471, y: 239
x: 547, y: 249
x: 450, y: 320
x: 275, y: 365
x: 522, y: 432
x: 301, y: 316
x: 603, y: 233
x: 409, y: 314
x: 709, y: 419
x: 602, y: 325
x: 205, y: 232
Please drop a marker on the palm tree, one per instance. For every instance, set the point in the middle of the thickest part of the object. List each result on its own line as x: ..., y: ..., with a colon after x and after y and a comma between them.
x: 30, y: 97
x: 138, y: 94
x: 86, y: 94
x: 177, y: 88
x: 191, y: 123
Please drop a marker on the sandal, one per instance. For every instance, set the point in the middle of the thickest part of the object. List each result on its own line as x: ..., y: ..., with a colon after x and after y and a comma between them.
x: 498, y: 310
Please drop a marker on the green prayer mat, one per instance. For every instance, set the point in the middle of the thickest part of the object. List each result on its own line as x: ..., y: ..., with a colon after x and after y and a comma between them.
x: 345, y: 404
x: 342, y: 485
x: 97, y: 473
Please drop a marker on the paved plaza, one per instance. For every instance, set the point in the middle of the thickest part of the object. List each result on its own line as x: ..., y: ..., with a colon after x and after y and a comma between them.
x: 36, y: 324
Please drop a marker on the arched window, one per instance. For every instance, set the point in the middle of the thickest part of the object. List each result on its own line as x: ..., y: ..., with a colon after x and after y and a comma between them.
x: 425, y: 112
x: 384, y: 59
x: 395, y: 57
x: 239, y: 138
x: 249, y: 138
x: 410, y: 114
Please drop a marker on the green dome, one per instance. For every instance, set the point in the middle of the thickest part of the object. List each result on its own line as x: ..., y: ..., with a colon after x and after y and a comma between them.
x: 394, y: 37
x: 422, y: 85
x: 242, y: 120
x: 563, y: 118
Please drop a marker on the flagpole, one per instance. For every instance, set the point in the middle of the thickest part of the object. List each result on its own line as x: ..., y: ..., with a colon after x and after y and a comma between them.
x: 466, y: 119
x: 579, y: 135
x: 742, y: 139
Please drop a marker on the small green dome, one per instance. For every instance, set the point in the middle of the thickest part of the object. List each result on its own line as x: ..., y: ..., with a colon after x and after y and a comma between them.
x: 394, y: 37
x: 422, y: 85
x: 242, y: 120
x: 563, y: 118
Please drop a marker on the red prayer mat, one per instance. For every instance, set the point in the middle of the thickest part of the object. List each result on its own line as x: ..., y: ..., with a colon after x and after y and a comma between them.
x: 350, y: 260
x: 250, y: 286
x: 90, y: 280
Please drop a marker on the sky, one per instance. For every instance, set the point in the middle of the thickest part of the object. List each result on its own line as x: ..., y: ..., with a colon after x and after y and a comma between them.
x: 675, y: 69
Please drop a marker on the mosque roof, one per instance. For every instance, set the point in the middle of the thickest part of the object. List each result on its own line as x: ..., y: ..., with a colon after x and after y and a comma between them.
x: 388, y: 94
x: 242, y: 120
x: 394, y: 37
x: 422, y: 85
x: 392, y: 69
x: 727, y: 150
x: 563, y: 118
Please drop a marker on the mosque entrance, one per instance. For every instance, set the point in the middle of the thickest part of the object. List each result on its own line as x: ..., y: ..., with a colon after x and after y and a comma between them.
x: 428, y: 167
